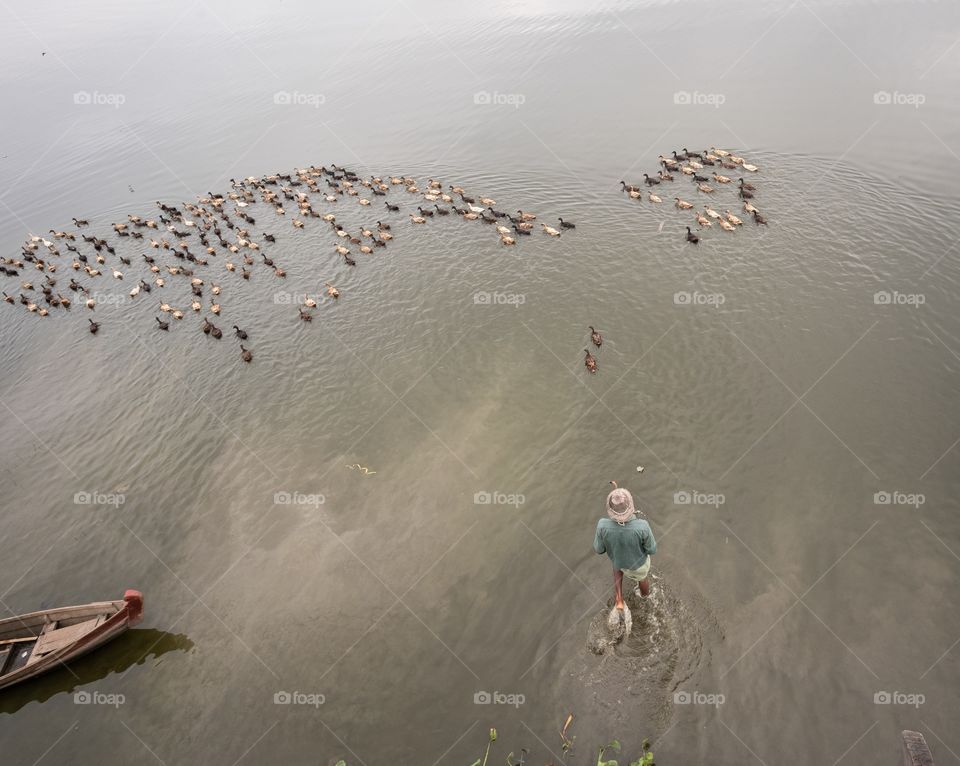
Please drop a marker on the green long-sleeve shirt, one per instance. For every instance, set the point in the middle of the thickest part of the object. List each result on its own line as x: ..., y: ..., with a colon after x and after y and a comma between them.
x: 627, y: 545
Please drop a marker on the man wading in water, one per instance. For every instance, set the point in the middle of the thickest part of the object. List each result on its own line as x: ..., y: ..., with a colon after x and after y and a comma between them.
x: 628, y: 541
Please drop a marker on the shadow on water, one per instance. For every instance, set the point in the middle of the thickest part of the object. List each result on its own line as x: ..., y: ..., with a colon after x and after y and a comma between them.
x: 132, y: 648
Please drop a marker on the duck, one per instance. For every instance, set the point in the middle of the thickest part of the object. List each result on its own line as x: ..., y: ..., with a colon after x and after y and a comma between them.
x: 487, y: 201
x: 161, y: 324
x: 748, y: 187
x: 566, y: 224
x: 628, y: 187
x: 215, y: 308
x: 550, y: 230
x: 94, y: 326
x: 332, y: 291
x: 135, y: 291
x: 526, y: 216
x: 711, y: 212
x: 297, y: 223
x: 653, y: 197
x: 721, y: 179
x: 727, y: 226
x: 507, y: 240
x: 65, y: 302
x: 705, y: 189
x: 665, y: 176
x: 732, y: 218
x: 245, y: 355
x: 691, y: 237
x: 78, y: 222
x: 8, y: 298
x: 744, y: 194
x: 349, y: 261
x: 384, y: 226
x: 91, y: 304
x: 702, y: 220
x: 176, y: 314
x: 417, y: 218
x: 309, y: 302
x: 269, y: 238
x: 206, y: 326
x: 650, y: 181
x: 589, y: 361
x: 341, y: 249
x: 682, y: 204
x: 215, y: 332
x: 719, y: 152
x: 748, y: 208
x: 748, y: 166
x: 635, y: 194
x: 305, y: 317
x: 596, y: 337
x: 392, y: 208
x: 759, y: 219
x: 215, y: 288
x: 241, y: 334
x: 429, y: 213
x: 196, y: 305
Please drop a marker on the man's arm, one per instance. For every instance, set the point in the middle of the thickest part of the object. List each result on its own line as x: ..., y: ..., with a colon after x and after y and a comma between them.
x: 648, y: 541
x: 598, y: 545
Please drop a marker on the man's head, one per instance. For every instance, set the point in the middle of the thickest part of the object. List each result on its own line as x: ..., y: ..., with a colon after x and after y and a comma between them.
x: 620, y: 506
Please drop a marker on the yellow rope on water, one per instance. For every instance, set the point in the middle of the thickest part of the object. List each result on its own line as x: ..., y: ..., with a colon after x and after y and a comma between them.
x: 362, y: 468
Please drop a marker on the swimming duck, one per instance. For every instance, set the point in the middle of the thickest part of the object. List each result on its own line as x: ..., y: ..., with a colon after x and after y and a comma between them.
x: 726, y: 225
x: 526, y: 216
x: 596, y: 337
x: 705, y: 189
x: 721, y: 179
x: 550, y: 230
x: 349, y: 261
x: 78, y: 222
x: 297, y: 223
x: 566, y: 224
x: 196, y: 305
x: 691, y: 237
x: 417, y: 218
x: 176, y: 314
x: 215, y: 308
x: 682, y: 204
x: 245, y: 355
x: 304, y: 316
x: 628, y: 187
x: 745, y: 185
x: 665, y: 176
x: 650, y: 181
x: 589, y: 361
x: 161, y: 324
x: 759, y: 219
x: 214, y: 288
x: 442, y: 210
x: 392, y: 208
x: 748, y: 208
x: 332, y: 291
x: 748, y: 166
x: 744, y: 194
x: 429, y: 213
x: 653, y: 197
x: 506, y: 240
x: 733, y: 219
x: 703, y: 221
x: 241, y: 334
x: 135, y: 291
x: 215, y: 332
x: 94, y: 326
x: 206, y: 326
x: 710, y: 211
x: 8, y: 298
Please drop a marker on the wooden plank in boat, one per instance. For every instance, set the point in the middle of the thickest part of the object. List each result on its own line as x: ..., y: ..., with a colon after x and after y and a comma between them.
x: 56, y: 639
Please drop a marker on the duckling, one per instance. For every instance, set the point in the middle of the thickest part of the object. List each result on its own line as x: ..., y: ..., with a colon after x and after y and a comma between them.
x: 596, y: 337
x: 721, y: 179
x: 94, y: 326
x: 759, y: 219
x: 590, y: 361
x: 161, y: 324
x: 332, y: 291
x: 245, y: 355
x: 305, y: 317
x: 550, y: 230
x: 653, y: 197
x: 566, y: 224
x: 703, y: 221
x: 691, y: 237
x: 745, y: 185
x: 682, y: 204
x: 650, y: 181
x: 732, y: 218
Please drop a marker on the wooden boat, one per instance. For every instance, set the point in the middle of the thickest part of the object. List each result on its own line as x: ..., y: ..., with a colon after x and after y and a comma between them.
x: 34, y: 643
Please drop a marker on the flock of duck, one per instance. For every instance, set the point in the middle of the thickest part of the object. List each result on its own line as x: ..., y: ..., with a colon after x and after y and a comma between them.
x: 694, y: 166
x: 187, y: 244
